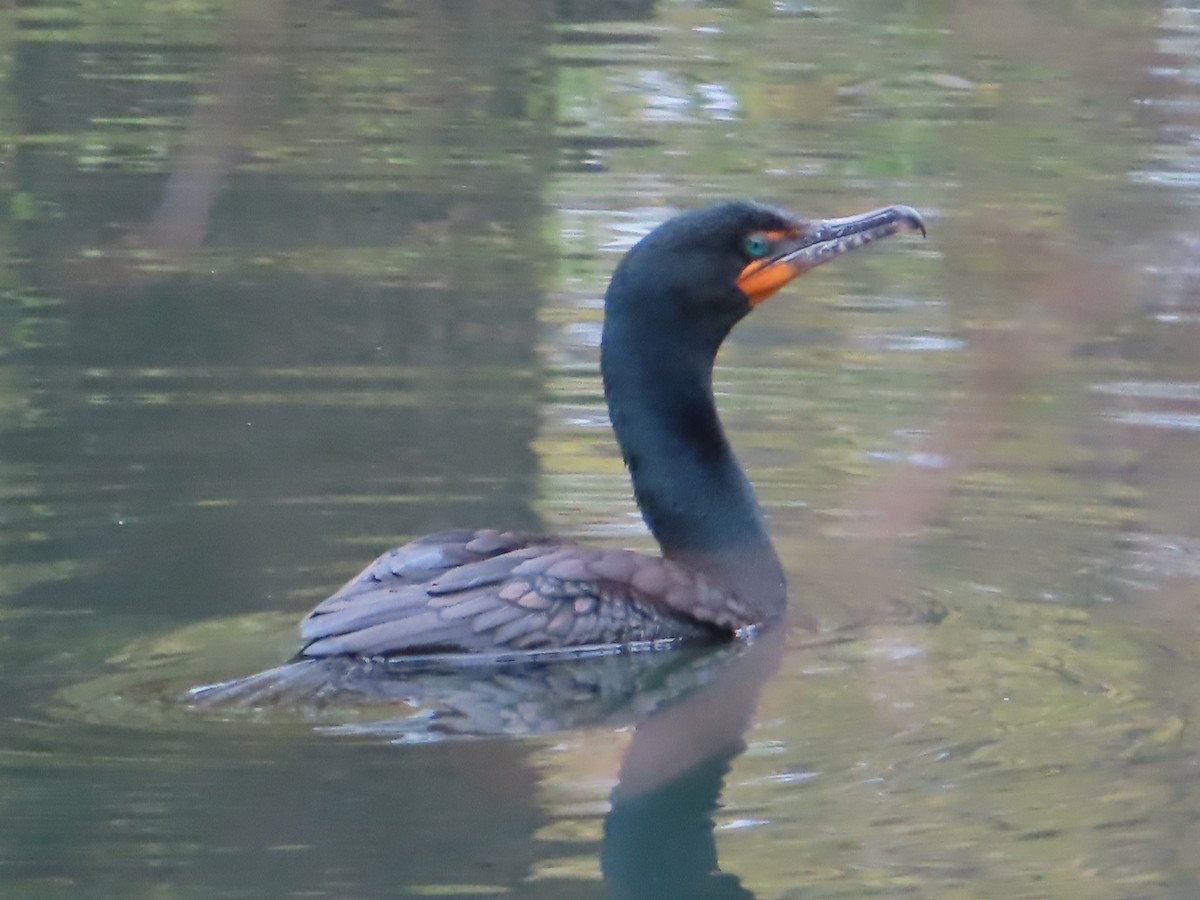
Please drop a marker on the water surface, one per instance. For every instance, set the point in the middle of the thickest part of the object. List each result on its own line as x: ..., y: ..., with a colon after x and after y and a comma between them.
x: 282, y: 286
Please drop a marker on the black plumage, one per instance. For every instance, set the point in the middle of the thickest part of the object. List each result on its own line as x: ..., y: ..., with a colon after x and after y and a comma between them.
x: 671, y: 302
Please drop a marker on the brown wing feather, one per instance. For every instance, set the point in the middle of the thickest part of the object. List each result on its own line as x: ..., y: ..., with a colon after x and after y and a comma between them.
x: 434, y: 554
x: 468, y: 591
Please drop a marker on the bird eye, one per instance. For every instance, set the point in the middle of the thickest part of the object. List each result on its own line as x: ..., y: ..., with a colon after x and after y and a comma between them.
x: 756, y: 246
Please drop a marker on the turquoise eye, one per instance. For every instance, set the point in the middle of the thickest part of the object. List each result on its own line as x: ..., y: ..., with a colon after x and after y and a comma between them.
x: 756, y: 246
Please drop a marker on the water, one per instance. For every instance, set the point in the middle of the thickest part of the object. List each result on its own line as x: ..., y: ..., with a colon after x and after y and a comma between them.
x: 283, y: 286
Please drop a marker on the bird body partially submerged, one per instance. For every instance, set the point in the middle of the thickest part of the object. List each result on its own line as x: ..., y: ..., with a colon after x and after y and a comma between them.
x: 671, y: 302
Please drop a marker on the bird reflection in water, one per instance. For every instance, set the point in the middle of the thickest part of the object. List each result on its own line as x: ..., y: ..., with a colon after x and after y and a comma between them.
x: 689, y: 708
x: 658, y: 833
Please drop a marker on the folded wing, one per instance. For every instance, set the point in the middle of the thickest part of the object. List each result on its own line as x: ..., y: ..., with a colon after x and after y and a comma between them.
x: 471, y: 591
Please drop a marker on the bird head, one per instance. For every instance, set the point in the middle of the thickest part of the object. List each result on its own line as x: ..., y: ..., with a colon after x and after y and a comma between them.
x: 713, y: 265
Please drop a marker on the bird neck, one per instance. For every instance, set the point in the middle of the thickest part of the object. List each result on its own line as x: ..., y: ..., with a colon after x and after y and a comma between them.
x: 692, y: 493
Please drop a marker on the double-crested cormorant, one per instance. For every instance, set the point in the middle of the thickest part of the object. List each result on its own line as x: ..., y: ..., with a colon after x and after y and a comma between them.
x: 672, y: 300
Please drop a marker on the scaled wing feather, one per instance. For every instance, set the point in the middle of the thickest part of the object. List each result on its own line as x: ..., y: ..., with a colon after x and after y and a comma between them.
x: 470, y: 591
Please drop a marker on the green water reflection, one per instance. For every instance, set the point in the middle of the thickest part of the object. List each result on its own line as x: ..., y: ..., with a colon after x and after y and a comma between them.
x: 284, y: 285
